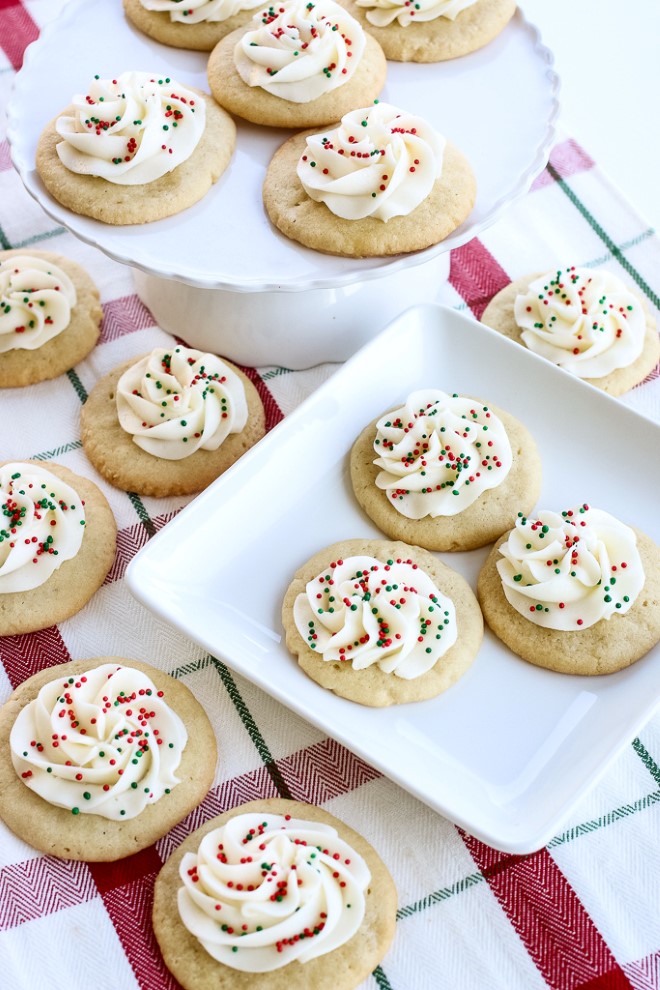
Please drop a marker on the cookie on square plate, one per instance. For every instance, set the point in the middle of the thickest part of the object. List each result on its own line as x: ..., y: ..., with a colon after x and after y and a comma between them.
x: 576, y: 592
x: 586, y: 321
x: 100, y: 758
x: 213, y: 911
x: 99, y: 159
x: 380, y: 622
x: 170, y: 422
x: 445, y: 472
x: 432, y: 30
x: 198, y: 25
x: 50, y: 316
x: 350, y: 191
x: 297, y: 65
x: 57, y: 544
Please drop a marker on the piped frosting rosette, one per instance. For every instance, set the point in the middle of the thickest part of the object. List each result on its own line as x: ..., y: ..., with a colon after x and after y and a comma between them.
x: 380, y: 162
x: 585, y: 321
x: 363, y: 611
x: 199, y: 11
x: 42, y: 525
x: 103, y: 742
x: 568, y: 571
x: 438, y: 453
x: 131, y: 130
x: 175, y: 402
x: 384, y: 12
x: 36, y: 299
x: 264, y: 890
x: 300, y: 50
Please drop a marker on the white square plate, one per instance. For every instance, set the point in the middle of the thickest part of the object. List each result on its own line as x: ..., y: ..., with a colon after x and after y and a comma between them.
x: 507, y: 751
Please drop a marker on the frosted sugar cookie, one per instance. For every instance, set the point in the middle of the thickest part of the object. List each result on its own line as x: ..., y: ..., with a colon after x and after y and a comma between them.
x: 432, y: 30
x: 49, y: 316
x: 380, y: 622
x: 382, y: 182
x: 99, y: 758
x: 57, y: 544
x: 170, y: 422
x: 445, y: 472
x: 297, y: 64
x: 213, y: 902
x: 135, y: 149
x: 584, y: 320
x: 576, y: 591
x: 195, y: 24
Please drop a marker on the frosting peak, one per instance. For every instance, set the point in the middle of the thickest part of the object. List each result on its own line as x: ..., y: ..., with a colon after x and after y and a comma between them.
x: 36, y: 299
x: 380, y: 162
x: 132, y: 129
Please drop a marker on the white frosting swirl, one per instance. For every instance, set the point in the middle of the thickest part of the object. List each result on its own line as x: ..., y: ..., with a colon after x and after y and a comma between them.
x: 41, y: 526
x: 266, y: 889
x: 380, y: 162
x: 407, y: 12
x: 300, y: 50
x: 131, y: 130
x: 569, y: 571
x: 587, y: 322
x: 174, y: 402
x: 103, y: 742
x: 198, y: 11
x: 36, y: 298
x: 439, y: 453
x: 365, y: 612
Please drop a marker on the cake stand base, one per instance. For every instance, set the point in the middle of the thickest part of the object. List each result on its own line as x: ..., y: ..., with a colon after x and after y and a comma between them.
x: 291, y: 328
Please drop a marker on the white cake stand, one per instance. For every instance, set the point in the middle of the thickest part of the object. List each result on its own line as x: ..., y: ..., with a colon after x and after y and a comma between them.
x: 219, y: 275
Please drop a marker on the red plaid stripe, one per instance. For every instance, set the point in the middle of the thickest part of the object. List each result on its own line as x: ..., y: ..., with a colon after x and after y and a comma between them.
x: 129, y: 541
x: 42, y: 886
x: 18, y: 31
x: 567, y: 159
x: 25, y: 655
x: 122, y: 316
x: 476, y: 275
x: 273, y: 412
x: 552, y: 922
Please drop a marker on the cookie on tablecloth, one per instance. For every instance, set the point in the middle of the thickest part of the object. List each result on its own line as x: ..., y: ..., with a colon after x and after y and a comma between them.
x: 128, y: 169
x: 170, y: 422
x: 381, y: 623
x: 197, y: 24
x: 131, y: 754
x: 50, y: 316
x: 587, y: 321
x: 326, y: 66
x: 431, y: 30
x: 57, y: 544
x: 333, y: 925
x: 323, y: 193
x: 576, y: 592
x: 445, y: 472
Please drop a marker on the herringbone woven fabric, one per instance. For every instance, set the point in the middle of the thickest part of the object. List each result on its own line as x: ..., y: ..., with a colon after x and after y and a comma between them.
x: 582, y: 914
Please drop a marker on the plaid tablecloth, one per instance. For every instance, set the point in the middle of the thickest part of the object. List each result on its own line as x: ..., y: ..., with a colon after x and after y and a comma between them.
x: 582, y: 913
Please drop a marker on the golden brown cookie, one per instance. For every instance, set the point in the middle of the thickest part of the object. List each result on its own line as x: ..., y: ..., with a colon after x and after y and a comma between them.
x: 442, y: 38
x: 260, y: 107
x: 371, y: 685
x: 499, y: 315
x: 63, y: 832
x: 609, y: 645
x: 71, y: 585
x: 26, y: 367
x: 102, y: 200
x: 482, y: 522
x: 202, y: 36
x: 124, y: 464
x: 342, y: 968
x: 312, y: 224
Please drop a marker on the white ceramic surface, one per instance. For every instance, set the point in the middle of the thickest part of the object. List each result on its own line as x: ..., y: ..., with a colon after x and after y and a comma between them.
x: 507, y: 752
x: 498, y: 105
